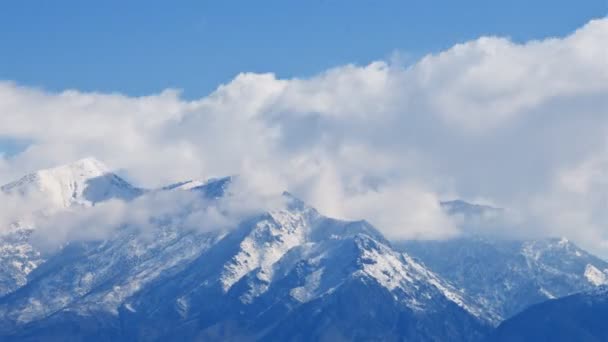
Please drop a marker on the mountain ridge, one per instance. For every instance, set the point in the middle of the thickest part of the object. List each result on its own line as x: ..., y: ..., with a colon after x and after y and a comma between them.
x: 282, y: 273
x: 264, y: 267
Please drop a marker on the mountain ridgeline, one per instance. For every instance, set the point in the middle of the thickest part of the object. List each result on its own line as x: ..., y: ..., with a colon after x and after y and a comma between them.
x: 279, y: 274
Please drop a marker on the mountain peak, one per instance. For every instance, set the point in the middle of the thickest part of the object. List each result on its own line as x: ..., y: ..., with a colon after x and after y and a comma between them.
x: 459, y: 206
x: 83, y: 168
x: 90, y: 164
x: 83, y: 182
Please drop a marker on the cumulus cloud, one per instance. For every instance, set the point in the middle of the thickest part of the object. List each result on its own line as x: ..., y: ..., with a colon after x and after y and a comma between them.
x: 516, y: 124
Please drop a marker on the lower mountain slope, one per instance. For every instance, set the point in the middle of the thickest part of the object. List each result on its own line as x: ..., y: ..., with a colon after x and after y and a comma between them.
x: 580, y: 317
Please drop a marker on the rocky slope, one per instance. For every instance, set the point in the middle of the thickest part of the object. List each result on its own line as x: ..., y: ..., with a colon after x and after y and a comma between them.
x: 507, y: 276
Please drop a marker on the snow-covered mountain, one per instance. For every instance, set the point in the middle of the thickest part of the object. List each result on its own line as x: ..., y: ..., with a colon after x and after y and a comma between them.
x: 286, y: 273
x: 84, y: 183
x: 79, y: 184
x: 507, y: 276
x: 283, y: 274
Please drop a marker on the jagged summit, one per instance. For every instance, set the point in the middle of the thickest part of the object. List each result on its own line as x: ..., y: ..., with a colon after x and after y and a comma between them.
x: 88, y: 164
x: 83, y: 182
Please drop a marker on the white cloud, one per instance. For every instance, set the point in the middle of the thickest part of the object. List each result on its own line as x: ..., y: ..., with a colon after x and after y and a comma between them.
x: 577, y: 204
x: 488, y: 118
x: 488, y: 81
x: 184, y: 210
x: 22, y: 210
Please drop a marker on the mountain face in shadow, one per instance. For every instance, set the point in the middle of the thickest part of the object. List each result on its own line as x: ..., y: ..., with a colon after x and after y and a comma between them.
x: 580, y: 317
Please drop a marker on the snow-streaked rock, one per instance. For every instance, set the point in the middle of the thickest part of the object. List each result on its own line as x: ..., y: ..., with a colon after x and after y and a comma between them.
x: 506, y: 276
x: 18, y: 258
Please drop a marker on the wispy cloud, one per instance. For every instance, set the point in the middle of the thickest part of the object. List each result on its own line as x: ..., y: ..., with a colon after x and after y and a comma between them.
x: 181, y: 210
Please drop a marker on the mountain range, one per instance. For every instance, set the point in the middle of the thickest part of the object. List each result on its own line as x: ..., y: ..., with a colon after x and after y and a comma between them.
x: 281, y: 273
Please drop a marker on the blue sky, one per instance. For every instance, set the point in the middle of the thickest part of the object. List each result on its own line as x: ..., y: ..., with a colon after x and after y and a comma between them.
x: 142, y: 47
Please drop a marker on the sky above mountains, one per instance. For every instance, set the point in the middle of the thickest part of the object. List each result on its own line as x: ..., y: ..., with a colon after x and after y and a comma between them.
x: 517, y: 122
x: 142, y: 47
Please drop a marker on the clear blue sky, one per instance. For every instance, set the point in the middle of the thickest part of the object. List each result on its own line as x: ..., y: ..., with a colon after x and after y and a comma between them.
x: 139, y: 47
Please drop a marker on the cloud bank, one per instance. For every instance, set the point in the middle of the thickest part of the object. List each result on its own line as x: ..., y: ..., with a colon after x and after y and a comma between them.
x: 147, y: 215
x: 522, y: 126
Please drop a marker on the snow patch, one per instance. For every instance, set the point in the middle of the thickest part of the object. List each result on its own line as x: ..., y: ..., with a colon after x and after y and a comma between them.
x: 595, y: 276
x: 268, y: 241
x: 547, y: 293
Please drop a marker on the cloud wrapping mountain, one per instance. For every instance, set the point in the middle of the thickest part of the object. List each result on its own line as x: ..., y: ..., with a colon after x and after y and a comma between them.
x: 521, y: 125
